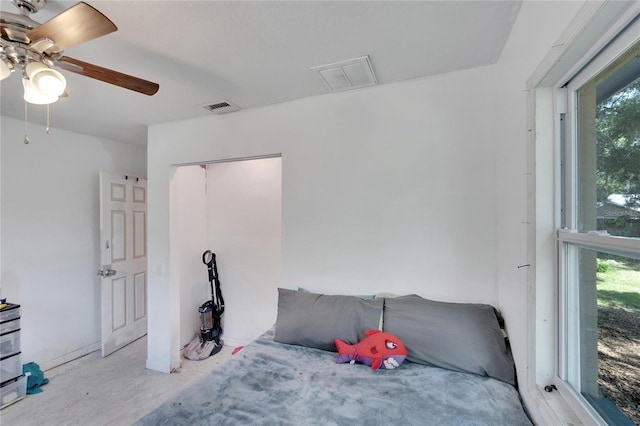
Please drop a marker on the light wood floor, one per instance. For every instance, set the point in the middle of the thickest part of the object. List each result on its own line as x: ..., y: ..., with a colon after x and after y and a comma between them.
x: 116, y: 390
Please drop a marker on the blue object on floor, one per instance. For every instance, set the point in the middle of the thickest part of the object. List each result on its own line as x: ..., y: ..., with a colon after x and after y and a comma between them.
x: 35, y: 377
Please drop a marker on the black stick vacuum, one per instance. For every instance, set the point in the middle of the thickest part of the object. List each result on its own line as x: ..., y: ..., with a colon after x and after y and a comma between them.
x: 211, y: 311
x: 208, y: 342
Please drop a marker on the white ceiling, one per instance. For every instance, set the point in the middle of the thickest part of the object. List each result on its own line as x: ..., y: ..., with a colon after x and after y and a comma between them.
x: 254, y: 54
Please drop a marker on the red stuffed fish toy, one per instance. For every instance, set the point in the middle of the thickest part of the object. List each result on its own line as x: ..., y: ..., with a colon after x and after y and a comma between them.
x: 378, y: 349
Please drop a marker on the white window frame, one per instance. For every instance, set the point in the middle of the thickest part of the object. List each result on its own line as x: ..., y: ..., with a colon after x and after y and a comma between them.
x: 569, y: 239
x: 602, y: 24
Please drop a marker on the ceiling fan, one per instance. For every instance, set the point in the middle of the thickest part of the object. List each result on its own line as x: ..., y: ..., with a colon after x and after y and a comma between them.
x: 36, y: 48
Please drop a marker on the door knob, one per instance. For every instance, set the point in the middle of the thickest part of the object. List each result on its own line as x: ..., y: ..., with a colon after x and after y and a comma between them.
x: 106, y: 272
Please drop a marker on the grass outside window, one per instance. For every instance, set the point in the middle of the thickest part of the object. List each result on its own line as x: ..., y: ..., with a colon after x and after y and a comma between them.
x: 618, y: 289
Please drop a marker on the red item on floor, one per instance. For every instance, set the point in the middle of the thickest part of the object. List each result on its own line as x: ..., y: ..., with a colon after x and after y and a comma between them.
x: 236, y: 350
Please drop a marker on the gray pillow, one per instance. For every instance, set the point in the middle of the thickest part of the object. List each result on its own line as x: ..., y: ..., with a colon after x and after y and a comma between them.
x: 314, y: 320
x: 361, y: 296
x: 456, y: 336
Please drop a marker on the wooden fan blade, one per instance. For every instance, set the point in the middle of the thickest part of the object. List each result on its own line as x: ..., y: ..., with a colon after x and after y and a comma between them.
x: 108, y: 76
x: 76, y: 25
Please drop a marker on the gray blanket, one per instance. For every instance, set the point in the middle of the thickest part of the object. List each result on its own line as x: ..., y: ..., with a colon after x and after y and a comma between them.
x: 270, y: 383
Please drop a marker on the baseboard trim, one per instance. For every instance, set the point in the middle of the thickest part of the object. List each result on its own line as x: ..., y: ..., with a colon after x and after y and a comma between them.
x: 48, y: 365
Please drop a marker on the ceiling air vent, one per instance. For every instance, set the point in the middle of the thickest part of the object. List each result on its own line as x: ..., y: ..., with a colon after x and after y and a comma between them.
x: 347, y: 75
x: 220, y: 107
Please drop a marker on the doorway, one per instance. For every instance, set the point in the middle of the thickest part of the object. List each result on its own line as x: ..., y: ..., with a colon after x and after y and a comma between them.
x: 232, y: 208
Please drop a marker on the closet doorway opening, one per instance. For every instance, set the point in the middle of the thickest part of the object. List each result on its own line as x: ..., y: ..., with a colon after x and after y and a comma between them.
x: 234, y: 209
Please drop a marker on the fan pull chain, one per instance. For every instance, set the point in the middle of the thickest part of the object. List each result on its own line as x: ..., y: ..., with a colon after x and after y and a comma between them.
x: 48, y: 128
x: 26, y: 136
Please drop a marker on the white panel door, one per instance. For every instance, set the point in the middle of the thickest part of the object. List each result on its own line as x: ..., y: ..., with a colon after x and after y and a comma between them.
x: 123, y: 253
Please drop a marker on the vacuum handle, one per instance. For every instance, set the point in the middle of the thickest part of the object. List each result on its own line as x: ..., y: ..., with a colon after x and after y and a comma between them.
x: 219, y: 299
x: 209, y: 259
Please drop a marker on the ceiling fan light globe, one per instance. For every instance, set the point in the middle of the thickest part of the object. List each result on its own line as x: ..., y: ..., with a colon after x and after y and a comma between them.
x: 35, y: 96
x: 50, y: 82
x: 47, y: 80
x: 32, y: 68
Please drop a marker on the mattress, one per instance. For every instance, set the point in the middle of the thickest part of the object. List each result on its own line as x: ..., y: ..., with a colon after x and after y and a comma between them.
x: 272, y: 383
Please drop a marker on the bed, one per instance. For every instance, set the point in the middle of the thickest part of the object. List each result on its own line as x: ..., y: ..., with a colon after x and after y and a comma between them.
x: 459, y: 370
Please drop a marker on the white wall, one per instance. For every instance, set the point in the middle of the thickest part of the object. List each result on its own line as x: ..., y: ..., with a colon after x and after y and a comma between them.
x: 373, y: 198
x: 188, y: 239
x: 50, y: 234
x: 521, y: 56
x: 244, y: 230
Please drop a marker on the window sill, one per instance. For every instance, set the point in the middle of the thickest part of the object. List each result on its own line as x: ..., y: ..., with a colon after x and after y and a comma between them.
x: 550, y: 408
x: 560, y: 407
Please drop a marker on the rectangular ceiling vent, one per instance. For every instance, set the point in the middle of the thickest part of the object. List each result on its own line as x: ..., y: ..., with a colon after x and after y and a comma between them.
x: 347, y: 75
x: 220, y: 107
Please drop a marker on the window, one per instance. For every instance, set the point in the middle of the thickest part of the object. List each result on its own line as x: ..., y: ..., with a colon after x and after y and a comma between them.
x: 599, y: 243
x: 608, y: 149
